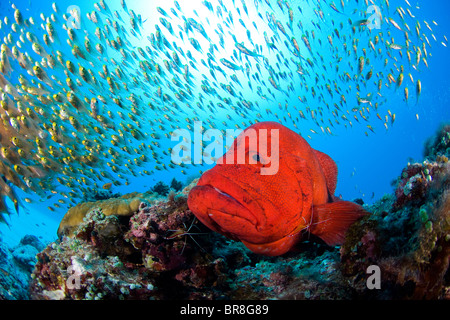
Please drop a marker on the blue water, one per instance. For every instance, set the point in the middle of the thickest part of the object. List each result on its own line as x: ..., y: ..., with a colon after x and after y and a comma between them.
x: 367, y: 163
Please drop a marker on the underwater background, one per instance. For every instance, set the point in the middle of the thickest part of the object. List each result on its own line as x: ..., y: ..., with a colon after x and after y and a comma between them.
x: 91, y: 94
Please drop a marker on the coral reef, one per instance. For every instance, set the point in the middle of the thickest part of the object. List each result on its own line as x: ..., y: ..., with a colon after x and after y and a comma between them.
x: 16, y: 265
x: 417, y: 180
x: 439, y: 144
x: 95, y: 195
x: 26, y: 256
x: 407, y: 236
x: 118, y: 257
x: 160, y: 188
x: 176, y: 185
x: 125, y: 205
x: 159, y: 250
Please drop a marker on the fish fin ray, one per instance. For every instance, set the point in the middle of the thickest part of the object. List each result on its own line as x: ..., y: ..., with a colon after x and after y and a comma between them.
x: 331, y: 220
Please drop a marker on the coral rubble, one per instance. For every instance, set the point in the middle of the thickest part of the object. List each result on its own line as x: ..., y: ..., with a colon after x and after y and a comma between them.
x: 159, y: 250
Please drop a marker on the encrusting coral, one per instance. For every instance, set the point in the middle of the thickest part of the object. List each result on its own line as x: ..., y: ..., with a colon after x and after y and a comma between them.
x: 125, y: 205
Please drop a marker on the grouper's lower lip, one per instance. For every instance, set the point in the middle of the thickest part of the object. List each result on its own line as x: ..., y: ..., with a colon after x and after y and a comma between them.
x: 221, y: 212
x: 245, y: 213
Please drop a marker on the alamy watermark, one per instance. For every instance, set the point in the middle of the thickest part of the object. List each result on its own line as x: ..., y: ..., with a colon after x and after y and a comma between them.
x: 374, y: 280
x: 374, y: 21
x: 190, y: 149
x: 74, y: 20
x: 74, y: 273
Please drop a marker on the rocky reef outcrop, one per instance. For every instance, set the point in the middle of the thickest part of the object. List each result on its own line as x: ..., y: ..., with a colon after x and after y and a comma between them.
x: 16, y: 265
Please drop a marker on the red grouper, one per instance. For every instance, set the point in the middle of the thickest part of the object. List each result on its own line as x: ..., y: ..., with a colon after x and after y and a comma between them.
x: 269, y: 201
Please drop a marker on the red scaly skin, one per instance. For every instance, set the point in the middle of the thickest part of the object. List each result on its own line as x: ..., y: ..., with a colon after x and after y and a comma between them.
x: 268, y: 212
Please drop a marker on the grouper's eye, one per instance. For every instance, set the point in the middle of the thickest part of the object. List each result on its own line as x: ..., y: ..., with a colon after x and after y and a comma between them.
x: 256, y: 157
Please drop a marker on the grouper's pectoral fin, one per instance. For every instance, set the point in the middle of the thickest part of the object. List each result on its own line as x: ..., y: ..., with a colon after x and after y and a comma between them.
x: 331, y: 220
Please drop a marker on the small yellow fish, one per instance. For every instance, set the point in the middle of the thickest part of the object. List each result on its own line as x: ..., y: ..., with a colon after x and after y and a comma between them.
x: 107, y: 186
x: 361, y: 64
x: 418, y: 89
x: 395, y: 24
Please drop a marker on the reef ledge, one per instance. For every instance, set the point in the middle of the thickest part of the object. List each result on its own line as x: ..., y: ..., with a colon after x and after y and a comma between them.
x: 161, y: 251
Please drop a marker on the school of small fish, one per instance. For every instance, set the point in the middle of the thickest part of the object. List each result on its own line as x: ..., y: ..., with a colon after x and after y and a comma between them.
x: 89, y: 101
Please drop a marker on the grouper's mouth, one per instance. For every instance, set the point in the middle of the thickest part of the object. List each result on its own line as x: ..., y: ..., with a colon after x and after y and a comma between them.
x: 222, y: 212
